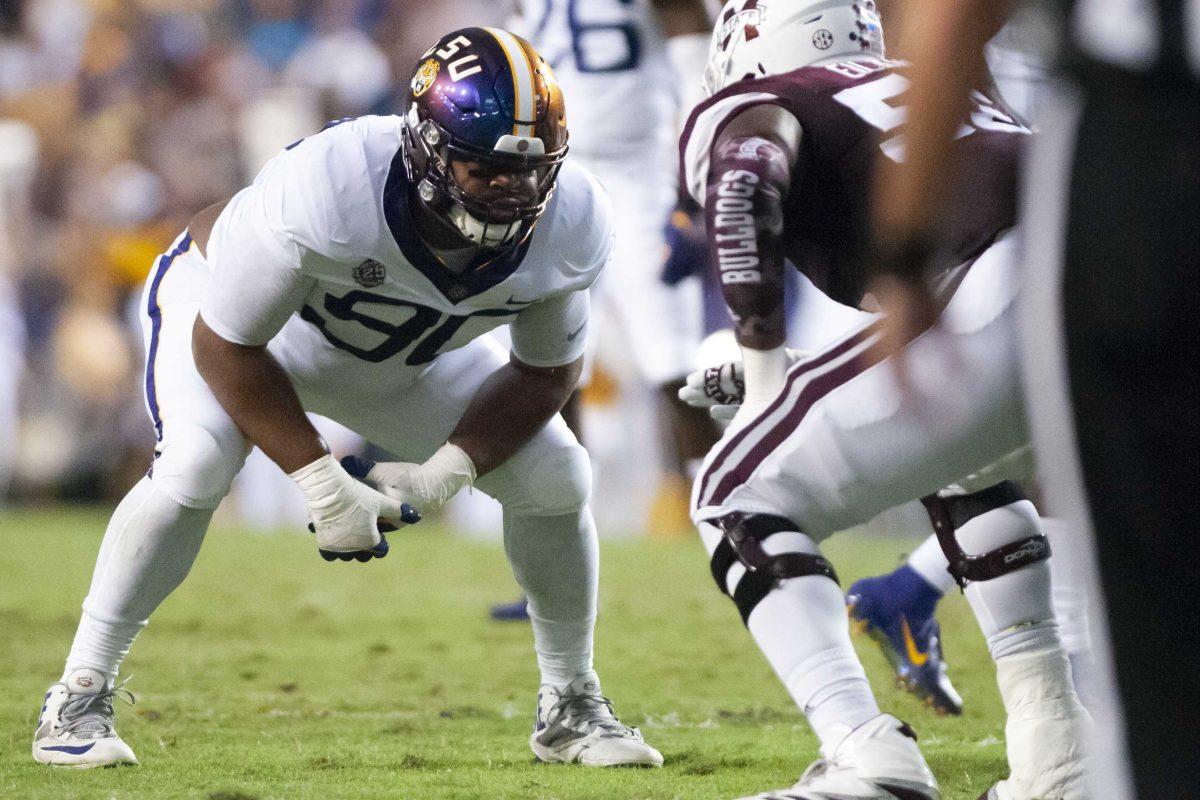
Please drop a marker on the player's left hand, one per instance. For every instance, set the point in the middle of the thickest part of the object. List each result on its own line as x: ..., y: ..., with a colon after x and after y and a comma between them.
x: 428, y: 485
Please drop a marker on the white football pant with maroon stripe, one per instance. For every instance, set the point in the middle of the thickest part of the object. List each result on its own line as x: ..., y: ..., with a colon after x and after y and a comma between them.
x: 843, y: 442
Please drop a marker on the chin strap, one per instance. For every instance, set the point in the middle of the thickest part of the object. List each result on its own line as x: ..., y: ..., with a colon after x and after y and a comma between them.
x: 485, y: 234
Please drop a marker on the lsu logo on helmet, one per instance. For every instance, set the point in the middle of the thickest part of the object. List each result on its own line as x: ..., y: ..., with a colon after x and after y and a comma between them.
x: 425, y: 76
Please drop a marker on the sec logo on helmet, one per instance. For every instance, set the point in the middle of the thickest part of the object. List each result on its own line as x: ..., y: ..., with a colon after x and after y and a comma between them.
x: 426, y: 74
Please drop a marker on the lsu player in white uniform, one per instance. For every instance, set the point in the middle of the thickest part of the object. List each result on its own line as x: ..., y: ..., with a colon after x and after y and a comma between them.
x: 18, y: 162
x: 639, y: 65
x: 355, y: 279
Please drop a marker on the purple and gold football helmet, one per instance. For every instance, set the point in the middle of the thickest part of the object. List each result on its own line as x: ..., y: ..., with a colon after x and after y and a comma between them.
x: 482, y: 103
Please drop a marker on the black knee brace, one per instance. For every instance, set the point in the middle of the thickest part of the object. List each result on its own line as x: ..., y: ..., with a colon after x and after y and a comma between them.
x: 951, y: 512
x: 744, y: 535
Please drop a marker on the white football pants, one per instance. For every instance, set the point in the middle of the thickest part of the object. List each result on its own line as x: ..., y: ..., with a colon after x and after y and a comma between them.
x: 843, y: 442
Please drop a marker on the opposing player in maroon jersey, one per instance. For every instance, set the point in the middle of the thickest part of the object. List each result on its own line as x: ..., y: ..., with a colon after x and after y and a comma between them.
x: 782, y: 155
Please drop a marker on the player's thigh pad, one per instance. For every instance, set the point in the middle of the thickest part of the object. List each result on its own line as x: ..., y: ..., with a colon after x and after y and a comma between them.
x: 200, y: 449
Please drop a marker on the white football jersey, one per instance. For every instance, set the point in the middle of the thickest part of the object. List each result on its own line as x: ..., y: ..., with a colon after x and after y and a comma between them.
x: 610, y: 57
x: 319, y: 257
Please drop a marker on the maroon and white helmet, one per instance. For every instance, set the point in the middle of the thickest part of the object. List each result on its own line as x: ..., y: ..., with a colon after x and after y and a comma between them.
x: 754, y: 38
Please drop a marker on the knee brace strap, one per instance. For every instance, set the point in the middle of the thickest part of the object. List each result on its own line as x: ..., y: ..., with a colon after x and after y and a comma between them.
x: 744, y: 534
x: 950, y: 513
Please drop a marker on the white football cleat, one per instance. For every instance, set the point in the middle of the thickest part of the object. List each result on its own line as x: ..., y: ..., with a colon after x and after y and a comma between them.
x: 75, y: 728
x: 576, y: 724
x: 878, y: 760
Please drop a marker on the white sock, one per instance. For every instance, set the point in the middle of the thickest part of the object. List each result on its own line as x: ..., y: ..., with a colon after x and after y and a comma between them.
x: 1045, y: 725
x: 148, y: 549
x: 1068, y: 587
x: 930, y: 563
x: 1014, y: 610
x: 556, y: 561
x: 802, y: 628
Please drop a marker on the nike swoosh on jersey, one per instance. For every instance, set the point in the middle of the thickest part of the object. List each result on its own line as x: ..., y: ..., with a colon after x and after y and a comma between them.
x: 513, y: 301
x: 910, y: 645
x: 571, y: 336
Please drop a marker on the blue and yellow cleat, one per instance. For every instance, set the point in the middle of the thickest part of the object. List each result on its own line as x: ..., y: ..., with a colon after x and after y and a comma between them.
x: 896, y: 611
x: 516, y: 611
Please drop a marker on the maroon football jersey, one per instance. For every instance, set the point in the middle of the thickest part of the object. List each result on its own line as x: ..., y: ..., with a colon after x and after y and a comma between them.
x: 849, y: 112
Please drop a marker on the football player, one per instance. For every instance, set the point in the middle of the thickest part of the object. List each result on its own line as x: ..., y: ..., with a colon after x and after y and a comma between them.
x: 639, y: 64
x: 897, y: 609
x: 781, y: 155
x: 355, y: 279
x: 19, y: 145
x: 638, y: 60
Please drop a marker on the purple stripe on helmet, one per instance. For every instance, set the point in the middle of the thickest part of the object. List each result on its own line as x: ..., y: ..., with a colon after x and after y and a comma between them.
x: 802, y: 368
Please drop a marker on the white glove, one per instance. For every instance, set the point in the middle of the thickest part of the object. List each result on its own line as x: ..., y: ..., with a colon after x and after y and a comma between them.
x: 722, y: 388
x: 428, y: 486
x: 344, y: 512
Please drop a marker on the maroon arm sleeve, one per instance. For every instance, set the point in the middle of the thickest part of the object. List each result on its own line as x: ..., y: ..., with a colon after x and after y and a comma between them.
x: 748, y: 180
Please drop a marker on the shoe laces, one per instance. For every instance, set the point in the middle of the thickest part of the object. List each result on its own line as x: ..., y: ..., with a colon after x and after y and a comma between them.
x: 92, y: 714
x: 595, y: 709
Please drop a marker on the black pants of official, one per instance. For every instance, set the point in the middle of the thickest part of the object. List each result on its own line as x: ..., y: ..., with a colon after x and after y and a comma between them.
x: 1131, y: 313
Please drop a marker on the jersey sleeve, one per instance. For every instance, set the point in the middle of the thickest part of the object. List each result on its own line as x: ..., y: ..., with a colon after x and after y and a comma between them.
x: 256, y: 284
x: 552, y: 333
x: 580, y: 235
x: 701, y: 131
x: 304, y: 202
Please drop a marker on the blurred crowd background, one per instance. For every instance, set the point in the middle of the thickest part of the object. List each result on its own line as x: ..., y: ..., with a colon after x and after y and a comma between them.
x: 118, y: 121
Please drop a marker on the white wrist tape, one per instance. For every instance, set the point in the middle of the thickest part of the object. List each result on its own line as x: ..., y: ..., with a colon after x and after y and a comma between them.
x: 343, y: 511
x: 320, y: 481
x: 431, y: 484
x: 765, y: 371
x: 452, y: 464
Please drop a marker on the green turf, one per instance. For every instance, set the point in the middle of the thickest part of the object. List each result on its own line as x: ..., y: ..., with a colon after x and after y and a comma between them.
x: 271, y: 674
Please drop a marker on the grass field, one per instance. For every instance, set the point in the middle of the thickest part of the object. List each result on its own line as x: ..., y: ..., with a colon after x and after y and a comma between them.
x: 272, y: 674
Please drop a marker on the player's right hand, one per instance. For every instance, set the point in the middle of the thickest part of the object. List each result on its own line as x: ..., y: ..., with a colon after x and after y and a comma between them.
x: 346, y: 513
